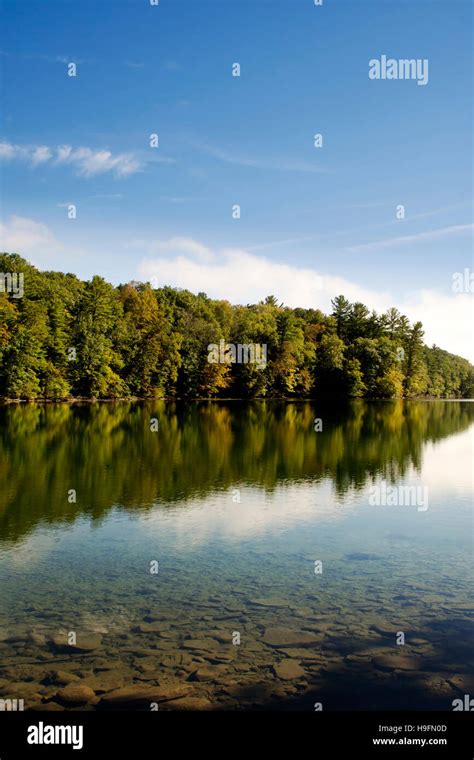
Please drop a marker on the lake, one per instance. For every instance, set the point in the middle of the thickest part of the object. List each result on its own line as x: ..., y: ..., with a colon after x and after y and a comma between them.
x: 236, y: 555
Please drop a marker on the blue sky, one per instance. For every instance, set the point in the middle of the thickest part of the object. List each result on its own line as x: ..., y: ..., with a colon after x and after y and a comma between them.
x: 314, y: 221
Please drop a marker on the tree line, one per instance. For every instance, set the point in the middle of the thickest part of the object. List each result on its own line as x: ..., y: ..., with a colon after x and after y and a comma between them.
x: 69, y: 338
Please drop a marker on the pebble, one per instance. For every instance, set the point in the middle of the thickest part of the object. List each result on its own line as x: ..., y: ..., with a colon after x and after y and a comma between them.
x: 287, y: 670
x: 77, y: 694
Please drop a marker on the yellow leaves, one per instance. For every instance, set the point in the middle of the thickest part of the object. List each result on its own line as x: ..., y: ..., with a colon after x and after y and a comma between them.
x: 215, y: 377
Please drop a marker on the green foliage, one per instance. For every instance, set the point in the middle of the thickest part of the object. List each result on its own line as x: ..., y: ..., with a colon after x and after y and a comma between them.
x: 66, y: 338
x: 96, y: 364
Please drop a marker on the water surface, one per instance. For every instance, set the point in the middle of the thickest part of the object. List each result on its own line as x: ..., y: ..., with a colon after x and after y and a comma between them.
x: 233, y: 503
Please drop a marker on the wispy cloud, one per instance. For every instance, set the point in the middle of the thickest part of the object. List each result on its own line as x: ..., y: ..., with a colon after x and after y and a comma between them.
x: 153, y: 158
x: 106, y: 196
x: 180, y: 198
x: 65, y: 59
x: 271, y: 163
x: 415, y: 238
x: 172, y: 66
x: 90, y: 198
x: 336, y: 233
x: 434, y: 212
x: 369, y: 204
x: 408, y: 216
x: 87, y: 161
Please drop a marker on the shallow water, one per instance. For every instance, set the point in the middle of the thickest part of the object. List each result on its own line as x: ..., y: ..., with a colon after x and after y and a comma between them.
x: 236, y: 502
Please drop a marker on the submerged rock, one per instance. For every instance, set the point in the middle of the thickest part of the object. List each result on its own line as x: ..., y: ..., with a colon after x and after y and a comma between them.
x: 76, y: 694
x: 302, y: 654
x: 28, y: 690
x: 63, y: 678
x: 203, y: 674
x: 153, y: 627
x: 147, y: 664
x: 206, y: 645
x: 106, y: 681
x: 465, y: 682
x: 287, y: 637
x: 287, y: 670
x: 270, y: 602
x: 189, y: 703
x: 385, y: 629
x: 137, y: 694
x: 175, y: 660
x: 83, y: 643
x: 397, y: 662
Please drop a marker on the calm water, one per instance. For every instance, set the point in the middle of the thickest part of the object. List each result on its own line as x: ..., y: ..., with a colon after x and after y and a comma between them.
x: 236, y: 502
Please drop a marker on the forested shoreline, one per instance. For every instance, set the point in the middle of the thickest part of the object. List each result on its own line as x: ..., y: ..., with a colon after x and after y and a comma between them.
x: 64, y: 338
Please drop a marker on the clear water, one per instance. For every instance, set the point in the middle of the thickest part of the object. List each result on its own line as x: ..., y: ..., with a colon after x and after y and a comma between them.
x: 236, y: 502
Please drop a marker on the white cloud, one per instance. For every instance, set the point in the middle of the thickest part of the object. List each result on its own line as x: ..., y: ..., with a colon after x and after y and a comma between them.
x: 87, y: 162
x: 91, y: 162
x: 8, y: 151
x: 447, y: 319
x: 63, y: 153
x: 177, y: 245
x: 24, y: 236
x: 243, y: 277
x: 37, y: 244
x: 41, y: 154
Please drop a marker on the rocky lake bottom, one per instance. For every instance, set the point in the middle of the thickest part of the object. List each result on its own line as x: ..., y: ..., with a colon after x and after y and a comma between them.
x: 326, y: 650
